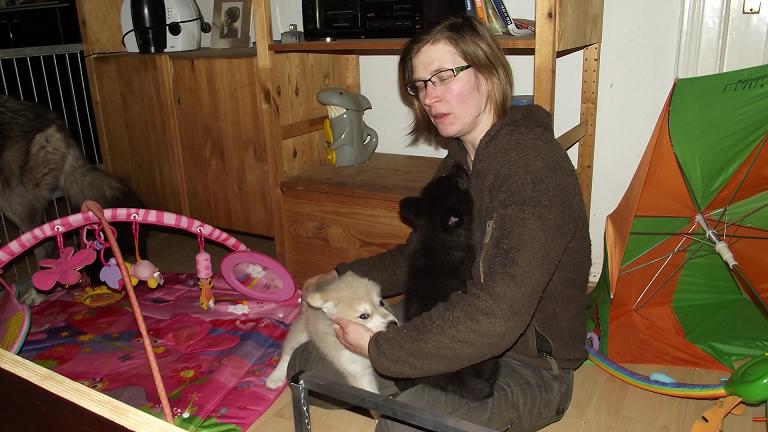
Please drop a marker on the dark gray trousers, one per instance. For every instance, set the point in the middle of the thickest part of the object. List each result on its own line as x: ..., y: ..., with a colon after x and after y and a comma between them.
x: 525, y: 398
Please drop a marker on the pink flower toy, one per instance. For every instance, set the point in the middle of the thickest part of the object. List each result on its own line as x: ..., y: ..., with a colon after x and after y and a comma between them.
x: 65, y: 270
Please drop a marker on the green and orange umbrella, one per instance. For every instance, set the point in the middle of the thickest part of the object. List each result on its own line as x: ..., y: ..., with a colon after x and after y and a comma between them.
x: 685, y: 277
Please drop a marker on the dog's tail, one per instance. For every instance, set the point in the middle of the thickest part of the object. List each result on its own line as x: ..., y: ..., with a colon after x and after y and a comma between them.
x: 82, y: 181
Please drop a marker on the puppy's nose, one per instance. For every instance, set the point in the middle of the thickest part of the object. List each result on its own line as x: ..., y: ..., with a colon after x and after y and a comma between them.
x: 392, y: 323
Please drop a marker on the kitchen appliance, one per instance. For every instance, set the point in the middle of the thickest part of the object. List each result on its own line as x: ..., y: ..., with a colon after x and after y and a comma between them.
x: 153, y: 26
x: 374, y: 18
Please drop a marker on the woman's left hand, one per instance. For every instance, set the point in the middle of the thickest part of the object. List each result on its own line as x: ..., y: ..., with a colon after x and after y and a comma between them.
x: 354, y: 336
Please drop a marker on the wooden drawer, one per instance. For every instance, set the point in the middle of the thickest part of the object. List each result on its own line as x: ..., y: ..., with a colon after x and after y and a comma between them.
x: 337, y: 214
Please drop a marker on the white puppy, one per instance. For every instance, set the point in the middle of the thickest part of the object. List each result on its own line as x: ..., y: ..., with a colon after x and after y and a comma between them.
x: 352, y: 297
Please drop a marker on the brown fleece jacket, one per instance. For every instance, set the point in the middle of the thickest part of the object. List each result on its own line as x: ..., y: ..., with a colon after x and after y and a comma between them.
x: 530, y: 276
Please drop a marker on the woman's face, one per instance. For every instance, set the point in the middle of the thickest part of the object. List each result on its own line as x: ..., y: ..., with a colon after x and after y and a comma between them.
x: 460, y: 108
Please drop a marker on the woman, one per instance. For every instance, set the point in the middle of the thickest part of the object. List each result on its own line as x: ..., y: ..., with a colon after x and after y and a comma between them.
x: 527, y: 297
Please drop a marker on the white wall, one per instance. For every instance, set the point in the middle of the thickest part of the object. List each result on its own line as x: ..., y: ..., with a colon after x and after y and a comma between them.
x: 637, y: 69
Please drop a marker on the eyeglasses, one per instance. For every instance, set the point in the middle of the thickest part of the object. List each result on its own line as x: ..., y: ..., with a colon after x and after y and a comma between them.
x: 439, y: 78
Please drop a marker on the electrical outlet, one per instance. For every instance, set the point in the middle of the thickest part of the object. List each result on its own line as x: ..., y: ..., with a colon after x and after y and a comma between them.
x: 751, y: 6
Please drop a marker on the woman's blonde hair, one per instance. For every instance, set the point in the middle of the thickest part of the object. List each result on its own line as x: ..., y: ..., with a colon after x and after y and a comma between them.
x: 478, y: 47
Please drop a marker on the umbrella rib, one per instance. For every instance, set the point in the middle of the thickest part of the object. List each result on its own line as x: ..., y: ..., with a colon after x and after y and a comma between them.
x: 693, y: 236
x: 738, y: 221
x: 687, y: 183
x: 752, y: 163
x: 646, y: 264
x: 733, y: 239
x: 726, y: 254
x: 642, y: 300
x: 665, y: 256
x: 666, y: 261
x: 749, y: 290
x: 687, y: 235
x: 695, y: 255
x: 638, y: 305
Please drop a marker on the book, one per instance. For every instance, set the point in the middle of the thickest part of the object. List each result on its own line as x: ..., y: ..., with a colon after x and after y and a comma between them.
x: 495, y: 22
x: 480, y: 11
x: 516, y: 30
x: 515, y: 26
x: 469, y: 7
x: 501, y: 9
x: 525, y: 24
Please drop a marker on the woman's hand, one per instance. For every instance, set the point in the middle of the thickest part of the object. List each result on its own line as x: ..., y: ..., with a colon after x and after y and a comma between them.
x: 354, y: 336
x: 314, y: 280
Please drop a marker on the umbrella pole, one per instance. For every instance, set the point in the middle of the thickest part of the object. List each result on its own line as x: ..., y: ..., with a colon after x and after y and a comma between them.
x: 724, y: 250
x: 749, y: 290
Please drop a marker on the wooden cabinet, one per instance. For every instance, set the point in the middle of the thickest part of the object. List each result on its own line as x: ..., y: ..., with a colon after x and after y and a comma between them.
x: 185, y: 131
x: 134, y: 114
x: 183, y: 128
x: 314, y: 228
x: 222, y: 151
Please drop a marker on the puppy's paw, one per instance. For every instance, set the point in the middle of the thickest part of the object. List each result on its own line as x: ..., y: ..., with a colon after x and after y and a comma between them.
x: 275, y: 380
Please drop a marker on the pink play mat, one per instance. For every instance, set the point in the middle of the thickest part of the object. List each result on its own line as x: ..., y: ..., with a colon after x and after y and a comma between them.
x: 213, y: 363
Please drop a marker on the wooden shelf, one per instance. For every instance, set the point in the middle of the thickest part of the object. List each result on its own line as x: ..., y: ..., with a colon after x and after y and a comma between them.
x: 198, y: 53
x: 385, y: 176
x: 215, y: 53
x: 382, y: 45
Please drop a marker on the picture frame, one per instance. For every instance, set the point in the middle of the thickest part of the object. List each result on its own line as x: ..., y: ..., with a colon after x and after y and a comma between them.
x: 231, y: 24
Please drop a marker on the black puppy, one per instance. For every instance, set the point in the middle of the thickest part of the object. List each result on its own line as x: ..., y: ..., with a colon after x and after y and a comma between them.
x: 440, y: 263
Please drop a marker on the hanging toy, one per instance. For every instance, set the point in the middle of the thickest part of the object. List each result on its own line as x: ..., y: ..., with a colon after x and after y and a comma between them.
x: 143, y: 270
x: 66, y: 269
x: 110, y: 275
x: 204, y: 271
x: 110, y: 272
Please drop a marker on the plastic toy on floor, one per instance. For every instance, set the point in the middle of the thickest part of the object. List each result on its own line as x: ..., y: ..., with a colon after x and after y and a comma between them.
x: 99, y: 296
x: 748, y: 384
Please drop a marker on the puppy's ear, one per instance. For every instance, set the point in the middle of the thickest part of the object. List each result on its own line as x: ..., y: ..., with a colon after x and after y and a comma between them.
x: 318, y: 301
x: 411, y: 209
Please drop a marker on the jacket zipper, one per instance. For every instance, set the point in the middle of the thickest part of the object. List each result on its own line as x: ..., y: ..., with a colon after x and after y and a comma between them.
x: 488, y: 231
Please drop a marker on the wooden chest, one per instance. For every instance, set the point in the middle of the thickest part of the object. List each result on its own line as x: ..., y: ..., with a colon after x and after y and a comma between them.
x: 337, y: 214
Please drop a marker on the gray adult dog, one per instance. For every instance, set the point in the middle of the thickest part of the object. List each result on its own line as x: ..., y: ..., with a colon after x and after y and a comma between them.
x: 37, y: 157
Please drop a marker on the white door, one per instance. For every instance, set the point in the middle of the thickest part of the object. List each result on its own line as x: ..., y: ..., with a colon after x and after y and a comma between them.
x: 722, y: 35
